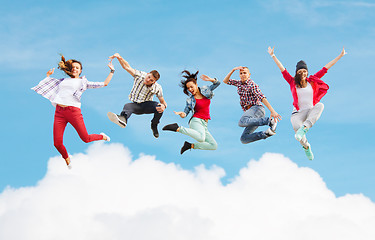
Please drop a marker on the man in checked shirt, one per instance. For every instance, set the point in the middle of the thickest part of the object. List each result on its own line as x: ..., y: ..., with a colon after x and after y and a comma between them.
x: 251, y: 99
x: 141, y: 95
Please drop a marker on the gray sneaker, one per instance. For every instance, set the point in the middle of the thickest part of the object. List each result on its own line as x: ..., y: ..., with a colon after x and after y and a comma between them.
x: 118, y: 119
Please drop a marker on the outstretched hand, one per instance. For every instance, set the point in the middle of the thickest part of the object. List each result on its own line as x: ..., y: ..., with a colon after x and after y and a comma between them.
x: 276, y: 116
x: 207, y: 78
x: 110, y: 65
x: 50, y: 72
x: 343, y: 52
x: 181, y: 114
x: 271, y: 50
x: 116, y: 55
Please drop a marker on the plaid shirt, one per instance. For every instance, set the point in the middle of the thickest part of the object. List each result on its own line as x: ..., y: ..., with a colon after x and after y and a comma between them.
x: 49, y: 87
x: 142, y: 93
x: 249, y: 92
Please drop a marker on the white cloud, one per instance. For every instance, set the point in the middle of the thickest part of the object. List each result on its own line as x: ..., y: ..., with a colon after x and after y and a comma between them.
x: 107, y: 195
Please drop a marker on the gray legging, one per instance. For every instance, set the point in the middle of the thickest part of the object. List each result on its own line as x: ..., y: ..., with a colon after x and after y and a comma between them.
x: 307, y: 117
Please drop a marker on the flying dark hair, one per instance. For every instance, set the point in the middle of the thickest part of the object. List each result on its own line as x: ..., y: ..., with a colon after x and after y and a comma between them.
x: 67, y: 66
x: 189, y: 77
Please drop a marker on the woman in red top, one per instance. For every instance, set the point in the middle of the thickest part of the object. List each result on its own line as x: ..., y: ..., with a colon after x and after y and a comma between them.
x: 307, y: 92
x: 198, y: 103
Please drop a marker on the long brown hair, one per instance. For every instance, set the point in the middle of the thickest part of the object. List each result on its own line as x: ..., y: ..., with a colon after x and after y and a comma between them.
x: 298, y: 79
x: 67, y: 66
x: 189, y: 77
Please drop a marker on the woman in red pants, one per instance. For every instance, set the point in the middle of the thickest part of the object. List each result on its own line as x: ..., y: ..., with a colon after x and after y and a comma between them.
x: 65, y: 95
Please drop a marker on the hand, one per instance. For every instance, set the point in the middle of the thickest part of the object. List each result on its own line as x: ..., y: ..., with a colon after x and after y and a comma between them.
x: 50, y: 72
x: 160, y: 108
x: 237, y: 68
x: 181, y: 114
x: 271, y: 50
x: 343, y: 52
x: 207, y: 78
x: 276, y: 116
x: 110, y: 65
x: 116, y: 55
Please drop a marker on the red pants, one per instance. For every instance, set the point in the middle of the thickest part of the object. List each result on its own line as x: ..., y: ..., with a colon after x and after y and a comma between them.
x: 72, y: 115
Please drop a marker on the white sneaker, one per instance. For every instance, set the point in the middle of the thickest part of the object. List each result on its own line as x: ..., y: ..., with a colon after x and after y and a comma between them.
x: 273, y: 125
x: 119, y: 120
x: 108, y: 139
x: 269, y: 132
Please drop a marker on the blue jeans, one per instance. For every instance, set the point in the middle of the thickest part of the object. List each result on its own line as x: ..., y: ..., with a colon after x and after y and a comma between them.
x: 148, y: 107
x: 251, y: 120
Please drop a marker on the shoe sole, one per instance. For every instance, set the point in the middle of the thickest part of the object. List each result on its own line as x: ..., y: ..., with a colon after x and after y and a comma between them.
x: 113, y: 117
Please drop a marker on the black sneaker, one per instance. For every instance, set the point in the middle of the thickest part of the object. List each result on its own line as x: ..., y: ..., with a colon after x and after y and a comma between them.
x: 154, y: 128
x: 186, y: 146
x: 118, y: 119
x: 171, y: 127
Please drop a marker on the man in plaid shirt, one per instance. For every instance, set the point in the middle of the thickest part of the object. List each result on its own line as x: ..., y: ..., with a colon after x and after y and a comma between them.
x: 251, y: 99
x: 141, y: 95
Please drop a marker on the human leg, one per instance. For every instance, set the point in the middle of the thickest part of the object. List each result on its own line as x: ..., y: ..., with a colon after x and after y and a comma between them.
x: 255, y: 116
x: 209, y: 142
x: 196, y: 130
x: 297, y: 119
x: 59, y: 125
x: 75, y: 118
x: 251, y: 119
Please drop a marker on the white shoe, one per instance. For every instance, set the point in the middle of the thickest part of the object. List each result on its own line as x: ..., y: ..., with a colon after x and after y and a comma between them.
x: 108, y: 139
x: 119, y: 120
x: 273, y: 125
x: 269, y: 132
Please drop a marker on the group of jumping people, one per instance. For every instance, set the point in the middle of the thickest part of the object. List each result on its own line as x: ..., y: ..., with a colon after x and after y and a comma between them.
x: 307, y: 91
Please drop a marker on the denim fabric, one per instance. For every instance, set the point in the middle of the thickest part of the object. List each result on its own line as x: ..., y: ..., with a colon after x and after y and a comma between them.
x: 206, y: 91
x: 251, y: 120
x: 199, y: 131
x: 142, y: 108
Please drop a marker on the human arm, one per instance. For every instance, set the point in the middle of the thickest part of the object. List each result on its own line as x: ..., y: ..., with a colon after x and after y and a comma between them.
x: 162, y: 105
x: 215, y: 82
x: 125, y: 65
x: 278, y: 63
x: 110, y: 75
x: 274, y: 114
x: 226, y: 79
x: 334, y: 61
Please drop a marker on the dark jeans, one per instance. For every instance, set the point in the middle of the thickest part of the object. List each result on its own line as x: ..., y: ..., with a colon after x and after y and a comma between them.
x: 142, y: 108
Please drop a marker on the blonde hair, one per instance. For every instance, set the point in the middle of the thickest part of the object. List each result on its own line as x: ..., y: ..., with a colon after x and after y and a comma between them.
x: 67, y: 66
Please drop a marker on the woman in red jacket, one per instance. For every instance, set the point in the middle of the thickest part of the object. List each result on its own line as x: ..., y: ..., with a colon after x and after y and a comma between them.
x: 307, y: 92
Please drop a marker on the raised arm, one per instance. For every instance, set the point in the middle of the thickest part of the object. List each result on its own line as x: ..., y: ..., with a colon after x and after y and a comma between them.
x: 278, y: 63
x: 110, y: 75
x: 334, y: 61
x: 125, y: 65
x: 226, y: 79
x: 215, y: 82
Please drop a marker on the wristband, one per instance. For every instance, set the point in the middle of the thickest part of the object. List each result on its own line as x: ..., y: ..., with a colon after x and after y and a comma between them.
x: 273, y: 55
x: 112, y: 70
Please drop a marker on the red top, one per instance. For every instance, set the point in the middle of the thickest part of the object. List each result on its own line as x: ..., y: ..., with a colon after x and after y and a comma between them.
x: 319, y: 87
x: 202, y: 108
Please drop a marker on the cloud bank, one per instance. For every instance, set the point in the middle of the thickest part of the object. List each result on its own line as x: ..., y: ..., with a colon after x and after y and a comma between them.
x: 108, y: 195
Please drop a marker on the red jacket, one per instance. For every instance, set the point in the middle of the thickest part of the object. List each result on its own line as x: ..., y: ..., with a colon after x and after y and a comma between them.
x: 319, y: 87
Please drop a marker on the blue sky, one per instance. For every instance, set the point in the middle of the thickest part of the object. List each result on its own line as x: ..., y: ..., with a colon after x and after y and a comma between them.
x: 212, y: 37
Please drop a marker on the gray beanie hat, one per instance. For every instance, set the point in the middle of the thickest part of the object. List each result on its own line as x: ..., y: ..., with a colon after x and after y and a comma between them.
x: 301, y: 65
